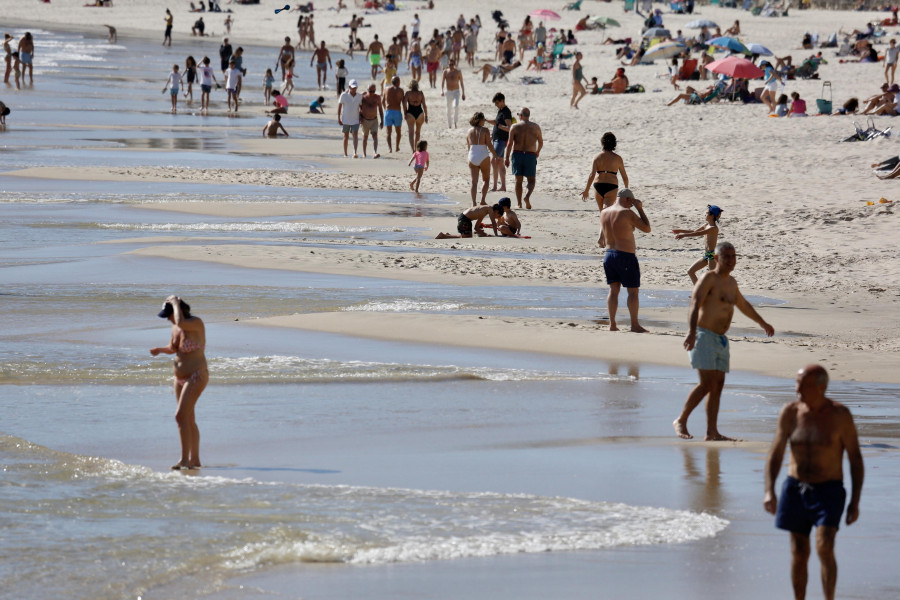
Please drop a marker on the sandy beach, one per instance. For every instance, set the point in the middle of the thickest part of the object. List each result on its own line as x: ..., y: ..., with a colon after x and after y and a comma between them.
x: 290, y: 244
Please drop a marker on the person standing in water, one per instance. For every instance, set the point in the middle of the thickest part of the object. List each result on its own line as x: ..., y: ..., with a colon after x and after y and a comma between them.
x: 191, y: 374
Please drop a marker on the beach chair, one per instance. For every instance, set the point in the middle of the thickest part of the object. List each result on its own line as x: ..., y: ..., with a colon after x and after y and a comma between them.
x: 870, y: 133
x: 686, y: 72
x: 554, y: 55
x: 573, y: 5
x: 831, y: 42
x: 807, y: 70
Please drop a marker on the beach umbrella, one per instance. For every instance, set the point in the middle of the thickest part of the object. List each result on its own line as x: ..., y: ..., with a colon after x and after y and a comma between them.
x: 759, y: 49
x: 701, y: 23
x: 730, y: 43
x: 544, y: 13
x: 663, y: 51
x: 735, y: 66
x: 657, y: 32
x: 605, y: 21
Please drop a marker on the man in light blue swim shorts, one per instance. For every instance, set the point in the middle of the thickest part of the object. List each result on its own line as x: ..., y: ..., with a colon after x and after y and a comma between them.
x: 712, y: 306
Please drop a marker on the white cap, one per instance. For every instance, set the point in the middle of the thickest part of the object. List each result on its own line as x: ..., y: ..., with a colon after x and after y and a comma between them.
x: 353, y: 83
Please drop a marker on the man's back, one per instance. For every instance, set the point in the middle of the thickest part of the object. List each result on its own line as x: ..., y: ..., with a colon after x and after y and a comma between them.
x: 617, y: 223
x: 524, y: 136
x: 393, y: 97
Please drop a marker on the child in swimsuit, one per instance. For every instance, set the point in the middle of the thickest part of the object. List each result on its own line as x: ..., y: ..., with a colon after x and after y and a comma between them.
x: 268, y: 82
x: 420, y: 157
x: 711, y: 230
x: 289, y: 78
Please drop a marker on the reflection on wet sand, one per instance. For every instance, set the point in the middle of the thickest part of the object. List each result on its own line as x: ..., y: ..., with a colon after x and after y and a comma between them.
x: 705, y: 489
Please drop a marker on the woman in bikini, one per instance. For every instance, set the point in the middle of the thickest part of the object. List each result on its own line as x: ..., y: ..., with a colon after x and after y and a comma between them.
x: 481, y: 150
x: 414, y: 62
x: 191, y: 375
x: 416, y: 112
x: 604, y: 175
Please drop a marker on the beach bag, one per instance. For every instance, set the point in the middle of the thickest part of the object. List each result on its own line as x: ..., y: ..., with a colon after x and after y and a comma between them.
x: 822, y: 104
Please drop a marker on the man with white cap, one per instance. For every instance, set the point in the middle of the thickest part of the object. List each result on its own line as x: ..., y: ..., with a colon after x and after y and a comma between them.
x: 348, y: 115
x: 620, y: 264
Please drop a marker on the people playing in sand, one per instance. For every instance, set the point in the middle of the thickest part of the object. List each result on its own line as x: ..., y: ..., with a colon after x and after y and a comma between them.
x: 173, y: 83
x: 422, y: 162
x: 371, y: 117
x: 452, y: 78
x: 470, y: 220
x: 348, y: 116
x: 481, y: 153
x: 578, y: 90
x: 191, y: 375
x: 416, y: 112
x: 392, y: 100
x: 605, y: 169
x: 317, y: 106
x: 620, y: 264
x: 285, y: 55
x: 26, y: 56
x: 820, y: 431
x: 274, y: 128
x: 509, y: 225
x: 713, y: 301
x: 709, y: 230
x: 524, y: 148
x: 322, y: 58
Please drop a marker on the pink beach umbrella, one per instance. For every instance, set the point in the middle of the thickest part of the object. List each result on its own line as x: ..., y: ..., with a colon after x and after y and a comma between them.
x: 544, y: 13
x: 735, y: 66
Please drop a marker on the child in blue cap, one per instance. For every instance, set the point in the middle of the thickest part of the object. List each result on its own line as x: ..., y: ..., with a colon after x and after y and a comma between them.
x: 711, y: 230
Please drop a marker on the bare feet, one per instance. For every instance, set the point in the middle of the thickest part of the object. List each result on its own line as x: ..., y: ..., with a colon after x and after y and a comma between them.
x: 412, y: 187
x: 180, y: 466
x: 528, y: 205
x: 638, y: 329
x: 377, y: 156
x: 613, y: 327
x: 681, y: 430
x: 718, y: 437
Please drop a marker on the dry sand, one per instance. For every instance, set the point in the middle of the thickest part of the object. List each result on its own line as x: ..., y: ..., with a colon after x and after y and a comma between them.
x: 794, y: 199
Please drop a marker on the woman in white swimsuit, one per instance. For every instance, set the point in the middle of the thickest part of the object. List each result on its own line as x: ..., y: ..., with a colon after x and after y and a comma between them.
x: 481, y: 150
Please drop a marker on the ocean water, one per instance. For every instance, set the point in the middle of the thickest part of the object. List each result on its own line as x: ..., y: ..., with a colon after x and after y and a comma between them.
x: 318, y: 449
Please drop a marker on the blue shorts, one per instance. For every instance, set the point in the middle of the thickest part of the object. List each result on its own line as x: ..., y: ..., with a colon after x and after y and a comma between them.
x: 524, y: 164
x: 393, y: 118
x: 622, y: 267
x: 500, y: 147
x: 205, y: 88
x: 173, y: 91
x: 25, y: 57
x: 711, y: 351
x: 803, y: 505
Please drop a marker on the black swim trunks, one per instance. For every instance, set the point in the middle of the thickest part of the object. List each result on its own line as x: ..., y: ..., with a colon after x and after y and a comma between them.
x: 463, y: 224
x: 803, y: 505
x: 622, y: 267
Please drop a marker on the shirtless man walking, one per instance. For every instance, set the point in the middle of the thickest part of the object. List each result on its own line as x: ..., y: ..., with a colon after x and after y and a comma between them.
x: 525, y: 143
x: 393, y: 111
x: 432, y: 62
x: 321, y: 56
x: 453, y: 79
x: 374, y: 53
x: 820, y: 431
x: 713, y: 300
x: 370, y: 110
x: 620, y: 264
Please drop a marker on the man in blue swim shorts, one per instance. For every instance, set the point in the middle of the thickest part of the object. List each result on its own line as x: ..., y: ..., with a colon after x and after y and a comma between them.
x: 712, y: 306
x: 525, y: 143
x: 820, y: 431
x: 620, y: 264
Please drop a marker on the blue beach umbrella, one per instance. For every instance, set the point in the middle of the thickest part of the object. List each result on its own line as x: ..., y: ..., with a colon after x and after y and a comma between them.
x: 728, y: 42
x: 759, y: 49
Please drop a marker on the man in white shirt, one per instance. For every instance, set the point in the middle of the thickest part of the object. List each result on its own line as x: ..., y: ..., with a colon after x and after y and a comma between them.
x: 233, y: 78
x: 415, y: 26
x: 348, y: 115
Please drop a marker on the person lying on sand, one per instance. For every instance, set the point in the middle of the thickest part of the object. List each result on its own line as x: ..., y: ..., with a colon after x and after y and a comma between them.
x: 475, y: 215
x: 495, y: 71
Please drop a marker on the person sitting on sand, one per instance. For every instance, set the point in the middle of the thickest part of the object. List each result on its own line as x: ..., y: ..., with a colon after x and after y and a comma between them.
x: 509, y: 225
x: 317, y: 106
x: 476, y: 215
x: 873, y: 102
x: 618, y: 85
x: 734, y: 30
x: 798, y: 106
x: 495, y: 71
x: 890, y: 108
x: 274, y: 127
x: 593, y: 87
x: 850, y: 107
x: 781, y: 107
x: 711, y: 230
x: 279, y: 102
